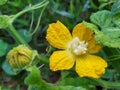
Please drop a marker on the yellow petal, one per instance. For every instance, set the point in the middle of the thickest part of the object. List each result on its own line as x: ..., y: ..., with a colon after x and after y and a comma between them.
x: 90, y: 66
x: 82, y: 32
x: 58, y: 35
x: 92, y: 47
x: 61, y: 60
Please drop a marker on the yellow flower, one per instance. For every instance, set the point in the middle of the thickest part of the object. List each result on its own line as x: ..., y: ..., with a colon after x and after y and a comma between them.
x: 75, y: 49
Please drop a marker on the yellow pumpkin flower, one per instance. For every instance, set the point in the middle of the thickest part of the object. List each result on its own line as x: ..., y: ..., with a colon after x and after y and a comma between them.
x: 75, y: 49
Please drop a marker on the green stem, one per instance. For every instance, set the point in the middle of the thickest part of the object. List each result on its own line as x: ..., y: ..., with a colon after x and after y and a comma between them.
x: 39, y: 5
x: 105, y: 84
x: 44, y: 59
x: 16, y: 36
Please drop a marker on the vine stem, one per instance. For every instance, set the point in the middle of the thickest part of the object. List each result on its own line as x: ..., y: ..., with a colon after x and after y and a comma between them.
x: 104, y: 83
x: 16, y: 36
x: 39, y: 5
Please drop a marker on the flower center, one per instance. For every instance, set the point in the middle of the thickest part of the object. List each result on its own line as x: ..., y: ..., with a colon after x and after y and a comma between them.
x: 78, y: 47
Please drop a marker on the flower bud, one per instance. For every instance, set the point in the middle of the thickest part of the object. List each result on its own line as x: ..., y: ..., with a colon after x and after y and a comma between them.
x: 20, y: 56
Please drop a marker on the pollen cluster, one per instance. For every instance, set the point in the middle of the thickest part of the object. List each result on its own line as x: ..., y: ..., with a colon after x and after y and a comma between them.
x: 78, y: 47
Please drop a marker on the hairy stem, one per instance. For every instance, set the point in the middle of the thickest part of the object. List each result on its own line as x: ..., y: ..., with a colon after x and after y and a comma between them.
x: 105, y: 84
x: 16, y: 36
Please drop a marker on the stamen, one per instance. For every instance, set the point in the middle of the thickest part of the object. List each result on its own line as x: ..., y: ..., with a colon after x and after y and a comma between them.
x: 78, y: 47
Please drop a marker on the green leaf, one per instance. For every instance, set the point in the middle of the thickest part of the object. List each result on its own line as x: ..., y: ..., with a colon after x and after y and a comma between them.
x: 112, y: 32
x: 6, y: 67
x: 81, y: 82
x: 101, y: 18
x: 3, y: 48
x: 25, y: 34
x: 114, y: 63
x: 0, y: 87
x: 69, y: 79
x: 2, y: 2
x: 116, y: 20
x: 57, y: 88
x: 109, y: 73
x: 102, y: 38
x: 91, y: 26
x: 116, y: 7
x: 70, y: 88
x: 4, y: 21
x: 34, y: 80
